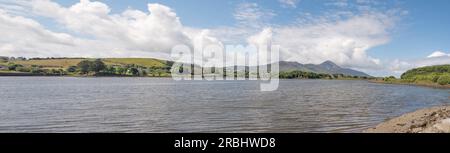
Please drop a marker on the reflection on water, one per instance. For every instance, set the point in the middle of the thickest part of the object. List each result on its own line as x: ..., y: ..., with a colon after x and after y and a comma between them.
x: 65, y: 104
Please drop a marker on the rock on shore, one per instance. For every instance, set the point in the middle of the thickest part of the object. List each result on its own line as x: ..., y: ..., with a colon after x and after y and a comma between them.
x: 429, y: 120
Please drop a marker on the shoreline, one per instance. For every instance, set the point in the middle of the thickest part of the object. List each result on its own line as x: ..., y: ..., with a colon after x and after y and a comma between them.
x: 412, y: 84
x: 23, y: 74
x: 427, y: 120
x: 75, y: 76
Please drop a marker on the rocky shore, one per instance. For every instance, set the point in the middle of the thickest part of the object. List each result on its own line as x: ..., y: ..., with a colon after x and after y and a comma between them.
x: 428, y: 120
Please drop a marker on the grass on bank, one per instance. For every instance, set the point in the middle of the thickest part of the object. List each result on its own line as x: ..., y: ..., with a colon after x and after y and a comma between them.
x: 48, y: 63
x: 145, y: 62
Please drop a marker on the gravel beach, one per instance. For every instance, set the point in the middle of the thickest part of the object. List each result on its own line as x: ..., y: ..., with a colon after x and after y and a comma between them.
x: 428, y: 120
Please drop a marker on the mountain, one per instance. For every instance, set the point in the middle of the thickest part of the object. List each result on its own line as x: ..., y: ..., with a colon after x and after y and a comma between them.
x: 327, y: 67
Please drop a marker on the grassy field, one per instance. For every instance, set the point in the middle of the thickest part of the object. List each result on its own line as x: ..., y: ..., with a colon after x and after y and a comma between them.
x: 64, y: 66
x: 65, y: 63
x: 49, y: 63
x: 146, y: 62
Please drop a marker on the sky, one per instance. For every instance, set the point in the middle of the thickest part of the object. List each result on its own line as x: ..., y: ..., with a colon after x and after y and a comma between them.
x: 379, y: 37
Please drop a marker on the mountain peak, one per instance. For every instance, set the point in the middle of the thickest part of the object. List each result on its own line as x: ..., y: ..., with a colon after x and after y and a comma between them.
x: 329, y: 64
x: 327, y: 67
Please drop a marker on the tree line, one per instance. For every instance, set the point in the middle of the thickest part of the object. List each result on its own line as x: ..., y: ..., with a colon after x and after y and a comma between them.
x: 99, y: 68
x: 92, y: 68
x: 296, y: 74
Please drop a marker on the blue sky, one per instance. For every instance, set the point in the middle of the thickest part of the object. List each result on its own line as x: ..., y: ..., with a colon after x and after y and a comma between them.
x: 425, y: 29
x: 380, y: 37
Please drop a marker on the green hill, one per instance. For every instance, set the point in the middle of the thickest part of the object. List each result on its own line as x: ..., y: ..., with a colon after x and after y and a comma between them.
x: 437, y: 76
x: 145, y: 62
x: 433, y: 74
x: 48, y: 63
x: 67, y: 62
x: 70, y: 66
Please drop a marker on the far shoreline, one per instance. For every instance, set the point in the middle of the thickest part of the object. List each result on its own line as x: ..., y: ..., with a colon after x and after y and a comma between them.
x: 129, y: 76
x: 19, y: 74
x: 413, y: 84
x: 78, y: 76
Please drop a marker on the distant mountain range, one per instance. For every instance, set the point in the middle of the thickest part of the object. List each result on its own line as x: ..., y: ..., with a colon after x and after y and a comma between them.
x: 326, y: 67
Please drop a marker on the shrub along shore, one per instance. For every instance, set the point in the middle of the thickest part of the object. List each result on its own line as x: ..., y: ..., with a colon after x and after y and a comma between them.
x: 437, y: 76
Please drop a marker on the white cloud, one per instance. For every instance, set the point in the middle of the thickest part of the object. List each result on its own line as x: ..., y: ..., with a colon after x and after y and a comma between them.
x: 338, y: 3
x: 17, y: 7
x: 344, y: 41
x: 95, y: 32
x: 30, y: 37
x: 289, y: 3
x: 341, y: 36
x: 159, y: 30
x: 251, y: 20
x: 263, y: 38
x: 436, y: 58
x: 251, y: 14
x: 438, y: 54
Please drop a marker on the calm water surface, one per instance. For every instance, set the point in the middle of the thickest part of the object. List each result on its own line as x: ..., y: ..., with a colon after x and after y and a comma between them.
x: 65, y: 104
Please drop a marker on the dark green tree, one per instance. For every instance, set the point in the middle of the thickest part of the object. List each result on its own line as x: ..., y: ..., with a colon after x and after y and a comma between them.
x: 110, y: 70
x: 72, y: 69
x: 121, y: 70
x: 97, y: 66
x: 133, y: 71
x: 13, y: 67
x: 84, y: 66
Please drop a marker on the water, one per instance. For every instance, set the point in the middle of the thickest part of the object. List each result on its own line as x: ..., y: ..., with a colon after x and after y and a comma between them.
x: 65, y: 104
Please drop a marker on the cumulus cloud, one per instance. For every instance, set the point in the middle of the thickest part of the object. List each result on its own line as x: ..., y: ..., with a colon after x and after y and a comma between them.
x: 340, y: 36
x: 93, y: 31
x: 30, y: 37
x: 156, y: 30
x: 344, y: 41
x: 263, y: 38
